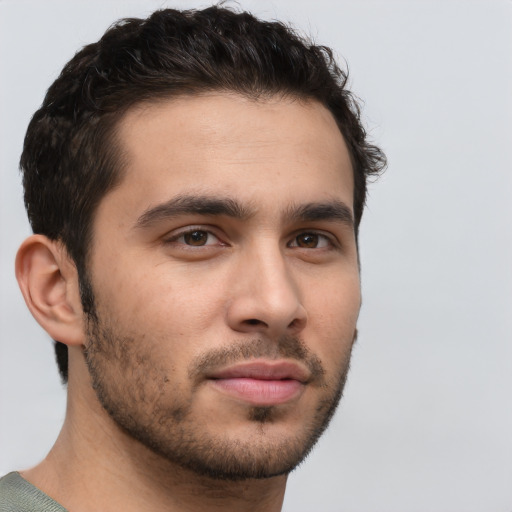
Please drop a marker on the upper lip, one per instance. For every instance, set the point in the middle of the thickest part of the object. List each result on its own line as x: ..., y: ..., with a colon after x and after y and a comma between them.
x: 263, y: 370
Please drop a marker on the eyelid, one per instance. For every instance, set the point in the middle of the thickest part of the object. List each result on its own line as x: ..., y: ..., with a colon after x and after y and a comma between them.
x: 332, y: 240
x: 176, y: 234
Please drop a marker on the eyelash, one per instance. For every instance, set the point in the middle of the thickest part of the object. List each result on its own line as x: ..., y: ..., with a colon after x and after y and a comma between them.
x: 176, y: 237
x: 329, y: 241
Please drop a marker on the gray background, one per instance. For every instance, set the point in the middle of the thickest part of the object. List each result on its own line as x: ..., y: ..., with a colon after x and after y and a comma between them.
x: 426, y: 422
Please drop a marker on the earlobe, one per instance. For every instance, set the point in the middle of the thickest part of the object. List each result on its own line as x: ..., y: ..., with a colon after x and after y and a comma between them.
x: 48, y: 281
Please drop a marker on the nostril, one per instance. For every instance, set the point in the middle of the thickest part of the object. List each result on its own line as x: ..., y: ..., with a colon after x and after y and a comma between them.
x: 297, y: 323
x: 253, y: 321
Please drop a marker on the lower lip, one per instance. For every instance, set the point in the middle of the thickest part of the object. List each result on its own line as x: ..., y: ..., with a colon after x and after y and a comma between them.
x: 258, y: 391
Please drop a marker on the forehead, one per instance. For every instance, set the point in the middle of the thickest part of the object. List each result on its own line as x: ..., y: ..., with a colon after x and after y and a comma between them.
x: 276, y: 149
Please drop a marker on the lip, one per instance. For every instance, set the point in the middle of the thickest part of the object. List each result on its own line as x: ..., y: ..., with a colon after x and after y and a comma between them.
x: 262, y: 383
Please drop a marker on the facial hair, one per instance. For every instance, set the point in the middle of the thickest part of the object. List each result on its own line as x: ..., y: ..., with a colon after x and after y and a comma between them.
x: 142, y: 399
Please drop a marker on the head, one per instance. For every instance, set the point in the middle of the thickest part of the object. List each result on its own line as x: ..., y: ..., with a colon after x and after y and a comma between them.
x: 76, y: 154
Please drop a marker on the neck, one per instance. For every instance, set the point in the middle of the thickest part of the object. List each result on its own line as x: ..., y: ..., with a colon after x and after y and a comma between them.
x: 95, y: 465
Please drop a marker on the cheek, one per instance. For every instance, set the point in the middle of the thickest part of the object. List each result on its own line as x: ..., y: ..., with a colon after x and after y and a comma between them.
x: 164, y: 301
x: 336, y: 298
x: 332, y: 317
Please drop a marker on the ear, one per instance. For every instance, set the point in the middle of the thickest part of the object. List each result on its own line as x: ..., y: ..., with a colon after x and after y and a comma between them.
x: 48, y: 280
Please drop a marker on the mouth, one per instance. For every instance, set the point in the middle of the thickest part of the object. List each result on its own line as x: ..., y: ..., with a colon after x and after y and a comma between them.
x: 261, y: 383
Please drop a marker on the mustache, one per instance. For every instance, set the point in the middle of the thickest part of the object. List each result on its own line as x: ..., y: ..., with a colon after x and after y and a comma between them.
x: 287, y: 347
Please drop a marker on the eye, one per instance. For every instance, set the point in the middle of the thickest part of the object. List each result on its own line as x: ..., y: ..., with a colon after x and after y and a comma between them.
x: 195, y: 238
x: 310, y: 240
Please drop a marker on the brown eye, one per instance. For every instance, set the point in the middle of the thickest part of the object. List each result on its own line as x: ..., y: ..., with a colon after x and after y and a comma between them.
x: 307, y: 240
x: 196, y: 238
x: 311, y: 240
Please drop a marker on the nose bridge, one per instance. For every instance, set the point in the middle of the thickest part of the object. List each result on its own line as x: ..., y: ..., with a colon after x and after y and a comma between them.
x: 268, y: 297
x: 274, y: 282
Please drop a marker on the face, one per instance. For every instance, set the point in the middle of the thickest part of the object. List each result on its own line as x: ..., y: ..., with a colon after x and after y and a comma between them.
x: 225, y: 274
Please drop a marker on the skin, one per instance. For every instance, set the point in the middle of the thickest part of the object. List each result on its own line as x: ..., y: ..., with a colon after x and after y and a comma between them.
x: 177, y: 293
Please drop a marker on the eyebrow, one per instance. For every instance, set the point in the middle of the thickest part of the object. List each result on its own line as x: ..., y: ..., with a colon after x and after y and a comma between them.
x: 190, y: 205
x: 334, y: 210
x: 329, y: 211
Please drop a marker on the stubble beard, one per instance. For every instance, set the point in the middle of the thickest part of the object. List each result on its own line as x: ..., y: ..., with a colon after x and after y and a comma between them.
x: 134, y: 391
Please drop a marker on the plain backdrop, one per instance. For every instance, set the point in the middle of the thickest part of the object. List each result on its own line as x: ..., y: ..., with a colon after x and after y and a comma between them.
x: 426, y: 421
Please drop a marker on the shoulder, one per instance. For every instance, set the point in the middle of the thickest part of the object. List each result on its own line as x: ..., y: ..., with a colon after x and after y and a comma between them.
x: 18, y: 495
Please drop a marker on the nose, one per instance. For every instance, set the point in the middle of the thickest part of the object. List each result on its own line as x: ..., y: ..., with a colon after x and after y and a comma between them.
x: 266, y: 299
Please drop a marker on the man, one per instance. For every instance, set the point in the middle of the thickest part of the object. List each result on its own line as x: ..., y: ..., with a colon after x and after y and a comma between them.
x: 195, y: 183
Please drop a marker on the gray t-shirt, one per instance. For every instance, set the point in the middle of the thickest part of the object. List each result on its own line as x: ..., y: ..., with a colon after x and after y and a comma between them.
x: 18, y: 495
